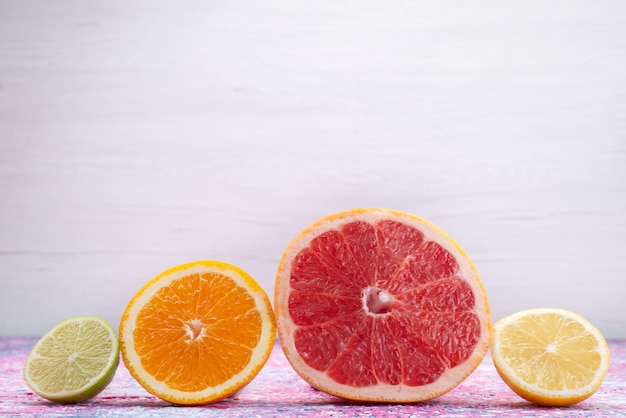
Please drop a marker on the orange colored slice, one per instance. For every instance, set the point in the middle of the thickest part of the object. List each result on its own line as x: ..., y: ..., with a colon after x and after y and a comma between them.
x: 197, y: 333
x: 380, y: 305
x: 550, y: 356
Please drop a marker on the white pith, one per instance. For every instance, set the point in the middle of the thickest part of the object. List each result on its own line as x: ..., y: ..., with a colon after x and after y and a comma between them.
x: 383, y: 300
x: 381, y: 391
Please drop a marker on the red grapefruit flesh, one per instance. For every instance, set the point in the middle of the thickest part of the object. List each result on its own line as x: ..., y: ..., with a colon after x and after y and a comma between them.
x: 380, y: 305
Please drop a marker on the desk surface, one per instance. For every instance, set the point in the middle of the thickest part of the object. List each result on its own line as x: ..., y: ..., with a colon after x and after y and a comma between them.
x: 279, y: 391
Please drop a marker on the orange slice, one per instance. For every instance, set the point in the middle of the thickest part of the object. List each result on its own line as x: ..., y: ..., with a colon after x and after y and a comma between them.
x: 197, y: 333
x: 380, y: 305
x: 550, y: 356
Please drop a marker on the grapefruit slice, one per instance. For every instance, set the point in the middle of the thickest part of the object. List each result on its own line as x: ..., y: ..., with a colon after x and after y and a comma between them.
x: 380, y: 305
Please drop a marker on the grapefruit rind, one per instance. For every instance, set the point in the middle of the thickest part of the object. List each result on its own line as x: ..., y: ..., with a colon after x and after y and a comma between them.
x: 260, y: 353
x: 381, y: 392
x: 534, y: 393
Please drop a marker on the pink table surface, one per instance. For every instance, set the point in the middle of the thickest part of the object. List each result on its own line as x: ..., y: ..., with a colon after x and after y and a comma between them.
x: 279, y: 391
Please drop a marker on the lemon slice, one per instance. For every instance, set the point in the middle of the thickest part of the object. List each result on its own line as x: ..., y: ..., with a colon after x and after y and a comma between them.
x: 550, y: 356
x: 74, y: 361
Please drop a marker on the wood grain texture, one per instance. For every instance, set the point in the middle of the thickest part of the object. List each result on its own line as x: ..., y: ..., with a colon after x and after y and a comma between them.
x: 134, y: 137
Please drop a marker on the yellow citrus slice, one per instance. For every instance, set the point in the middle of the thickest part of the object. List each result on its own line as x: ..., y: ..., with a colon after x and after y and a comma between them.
x: 197, y: 332
x: 74, y: 361
x: 380, y: 305
x: 550, y: 356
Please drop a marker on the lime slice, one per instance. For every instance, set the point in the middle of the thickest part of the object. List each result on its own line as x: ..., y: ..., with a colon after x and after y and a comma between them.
x: 74, y: 361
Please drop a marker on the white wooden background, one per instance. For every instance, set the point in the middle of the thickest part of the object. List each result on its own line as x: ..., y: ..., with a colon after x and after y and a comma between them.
x: 135, y: 136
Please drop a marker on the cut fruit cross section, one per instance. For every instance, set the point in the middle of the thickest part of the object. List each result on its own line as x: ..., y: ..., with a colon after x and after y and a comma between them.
x: 74, y: 361
x: 550, y: 356
x: 380, y: 305
x: 197, y: 332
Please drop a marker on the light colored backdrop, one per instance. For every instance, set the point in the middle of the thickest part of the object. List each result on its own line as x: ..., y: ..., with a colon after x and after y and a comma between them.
x: 134, y: 137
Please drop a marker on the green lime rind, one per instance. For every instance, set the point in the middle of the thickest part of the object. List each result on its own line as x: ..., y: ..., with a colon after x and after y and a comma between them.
x: 74, y: 361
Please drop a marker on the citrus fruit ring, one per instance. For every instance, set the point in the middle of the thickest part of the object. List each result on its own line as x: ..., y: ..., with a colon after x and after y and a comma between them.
x: 380, y: 305
x: 197, y: 332
x: 74, y: 361
x: 550, y: 356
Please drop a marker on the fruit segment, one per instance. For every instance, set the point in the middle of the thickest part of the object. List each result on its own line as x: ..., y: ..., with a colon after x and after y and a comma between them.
x: 430, y: 262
